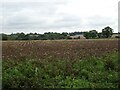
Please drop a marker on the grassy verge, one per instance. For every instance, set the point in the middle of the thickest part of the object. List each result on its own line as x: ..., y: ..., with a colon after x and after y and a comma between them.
x: 93, y: 72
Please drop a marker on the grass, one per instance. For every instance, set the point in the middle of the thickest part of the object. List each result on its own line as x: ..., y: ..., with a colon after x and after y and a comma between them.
x: 92, y: 72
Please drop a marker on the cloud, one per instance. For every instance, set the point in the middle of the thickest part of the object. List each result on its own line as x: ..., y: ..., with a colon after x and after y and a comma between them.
x: 33, y: 15
x: 100, y: 21
x: 58, y: 15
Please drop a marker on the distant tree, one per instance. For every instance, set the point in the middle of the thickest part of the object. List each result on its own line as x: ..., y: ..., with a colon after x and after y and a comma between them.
x: 27, y: 37
x: 107, y: 32
x: 91, y: 34
x: 100, y: 35
x: 20, y: 36
x: 64, y: 33
x: 75, y: 33
x: 78, y: 33
x: 42, y: 37
x: 12, y: 36
x: 4, y: 37
x: 54, y: 36
x: 72, y: 34
x: 86, y: 35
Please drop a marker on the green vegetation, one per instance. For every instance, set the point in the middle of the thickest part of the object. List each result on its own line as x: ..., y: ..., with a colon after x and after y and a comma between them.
x: 92, y: 34
x: 92, y: 72
x: 107, y: 32
x: 34, y: 36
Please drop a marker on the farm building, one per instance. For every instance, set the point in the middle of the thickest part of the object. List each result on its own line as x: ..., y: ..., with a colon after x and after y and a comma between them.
x: 81, y: 36
x: 115, y: 35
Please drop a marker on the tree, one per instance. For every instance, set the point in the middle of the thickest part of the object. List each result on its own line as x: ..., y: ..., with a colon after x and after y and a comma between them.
x: 20, y: 36
x: 4, y: 37
x: 107, y: 32
x: 91, y: 34
x: 100, y: 35
x: 86, y: 35
x: 64, y: 33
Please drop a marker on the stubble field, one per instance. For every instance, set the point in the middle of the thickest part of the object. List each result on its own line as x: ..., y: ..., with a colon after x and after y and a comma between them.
x: 57, y: 49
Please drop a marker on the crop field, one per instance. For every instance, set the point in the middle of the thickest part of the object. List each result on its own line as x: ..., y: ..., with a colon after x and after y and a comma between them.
x: 57, y: 49
x: 60, y: 64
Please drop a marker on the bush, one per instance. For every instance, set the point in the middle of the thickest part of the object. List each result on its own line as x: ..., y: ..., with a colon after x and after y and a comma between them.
x: 89, y: 73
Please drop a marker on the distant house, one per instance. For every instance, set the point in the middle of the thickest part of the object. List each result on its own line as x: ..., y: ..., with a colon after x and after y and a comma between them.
x: 81, y: 36
x: 115, y: 35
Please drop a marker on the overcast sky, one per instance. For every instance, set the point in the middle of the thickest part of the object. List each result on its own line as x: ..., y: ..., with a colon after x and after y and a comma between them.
x: 57, y: 15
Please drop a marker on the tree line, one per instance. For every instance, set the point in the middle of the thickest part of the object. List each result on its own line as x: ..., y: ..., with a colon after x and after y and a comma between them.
x: 92, y: 34
x: 107, y: 32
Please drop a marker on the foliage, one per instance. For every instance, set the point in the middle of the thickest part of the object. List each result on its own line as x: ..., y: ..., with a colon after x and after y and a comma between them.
x: 75, y: 33
x: 34, y: 36
x: 92, y: 72
x: 107, y: 32
x: 4, y: 37
x: 91, y: 34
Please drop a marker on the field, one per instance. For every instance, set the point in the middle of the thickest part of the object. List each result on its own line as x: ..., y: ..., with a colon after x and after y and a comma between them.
x: 60, y: 64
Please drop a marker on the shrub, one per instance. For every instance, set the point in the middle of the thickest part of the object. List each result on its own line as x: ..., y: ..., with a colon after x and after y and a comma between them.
x: 53, y: 73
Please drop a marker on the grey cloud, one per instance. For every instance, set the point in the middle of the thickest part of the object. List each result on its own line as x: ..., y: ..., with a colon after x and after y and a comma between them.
x: 100, y: 21
x: 21, y: 22
x: 43, y: 15
x: 41, y: 4
x: 25, y: 23
x: 49, y: 8
x: 14, y: 19
x: 68, y: 21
